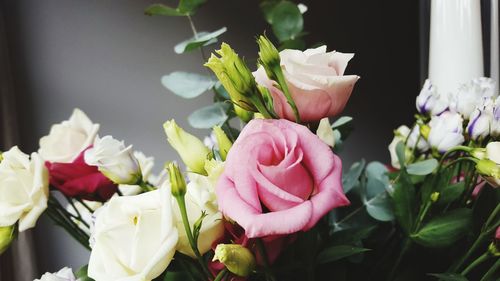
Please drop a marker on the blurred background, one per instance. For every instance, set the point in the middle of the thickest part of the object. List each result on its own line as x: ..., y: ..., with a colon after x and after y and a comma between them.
x: 107, y: 58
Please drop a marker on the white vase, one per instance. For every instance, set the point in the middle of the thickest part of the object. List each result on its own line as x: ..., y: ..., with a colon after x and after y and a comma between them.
x: 456, y: 46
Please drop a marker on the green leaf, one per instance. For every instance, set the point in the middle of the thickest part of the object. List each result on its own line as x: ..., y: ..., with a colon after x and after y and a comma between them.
x: 451, y: 193
x: 444, y: 230
x: 335, y: 253
x: 380, y: 207
x: 342, y: 121
x: 82, y: 274
x: 377, y: 179
x: 187, y: 85
x: 351, y: 235
x: 422, y: 168
x: 176, y: 276
x: 162, y: 10
x: 403, y: 198
x: 189, y: 6
x: 197, y: 225
x: 400, y: 152
x: 267, y: 8
x: 449, y: 276
x: 203, y: 39
x: 209, y: 116
x: 287, y: 21
x: 351, y: 178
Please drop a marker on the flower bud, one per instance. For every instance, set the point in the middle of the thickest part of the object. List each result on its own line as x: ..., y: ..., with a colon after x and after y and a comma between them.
x: 243, y: 114
x: 237, y: 259
x: 446, y: 131
x: 234, y: 75
x: 114, y: 160
x: 7, y: 234
x: 490, y: 171
x: 493, y: 249
x: 191, y: 149
x: 479, y: 153
x: 429, y: 101
x: 424, y: 131
x: 493, y: 151
x: 177, y: 181
x: 269, y: 56
x: 223, y: 141
x: 479, y: 124
x: 435, y: 197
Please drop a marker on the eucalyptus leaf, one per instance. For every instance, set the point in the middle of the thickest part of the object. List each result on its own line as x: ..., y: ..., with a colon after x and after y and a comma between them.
x: 451, y: 193
x: 380, y: 207
x: 422, y: 168
x: 351, y: 178
x: 162, y: 10
x: 203, y: 39
x: 444, y: 230
x: 377, y: 179
x: 187, y: 85
x: 335, y: 253
x: 404, y: 200
x: 267, y: 8
x: 209, y: 116
x: 189, y: 6
x: 287, y: 21
x: 449, y: 276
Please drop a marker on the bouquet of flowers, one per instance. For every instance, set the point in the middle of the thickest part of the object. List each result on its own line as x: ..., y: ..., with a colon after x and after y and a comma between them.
x: 269, y: 200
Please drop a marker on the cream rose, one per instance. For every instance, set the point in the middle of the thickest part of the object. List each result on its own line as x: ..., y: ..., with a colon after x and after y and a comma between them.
x: 134, y: 237
x: 316, y: 81
x: 68, y: 139
x: 65, y: 274
x: 24, y: 188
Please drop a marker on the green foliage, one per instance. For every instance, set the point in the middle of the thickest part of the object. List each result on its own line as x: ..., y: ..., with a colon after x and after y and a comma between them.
x: 286, y: 21
x: 451, y: 193
x: 335, y: 253
x: 449, y: 276
x: 374, y: 195
x: 351, y: 178
x: 404, y: 200
x: 202, y: 39
x: 187, y: 85
x: 176, y: 276
x: 422, y: 168
x: 82, y: 274
x: 185, y: 8
x: 198, y: 224
x: 444, y: 230
x: 209, y: 116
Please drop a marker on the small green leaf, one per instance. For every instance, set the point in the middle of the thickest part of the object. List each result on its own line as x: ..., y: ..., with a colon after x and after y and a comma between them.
x: 400, y: 151
x: 335, y: 253
x: 380, y: 207
x: 198, y: 224
x: 162, y: 10
x: 449, y: 276
x: 187, y: 85
x: 451, y: 193
x: 444, y: 230
x: 422, y: 168
x: 189, y: 6
x: 351, y: 178
x: 203, y: 39
x: 176, y: 276
x: 342, y: 121
x: 403, y: 198
x: 287, y: 21
x: 209, y: 116
x: 82, y: 274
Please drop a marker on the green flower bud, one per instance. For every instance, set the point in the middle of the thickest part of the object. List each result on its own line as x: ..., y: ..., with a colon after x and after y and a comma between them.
x: 425, y: 130
x: 269, y: 56
x: 237, y: 259
x: 234, y: 75
x: 7, y: 235
x: 488, y: 168
x: 177, y: 182
x: 223, y: 141
x: 435, y: 197
x: 191, y: 149
x: 243, y: 114
x: 479, y: 153
x: 493, y: 250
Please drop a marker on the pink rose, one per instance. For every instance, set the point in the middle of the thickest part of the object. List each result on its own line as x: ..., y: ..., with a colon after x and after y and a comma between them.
x: 497, y: 233
x: 316, y: 81
x: 279, y: 179
x: 77, y: 179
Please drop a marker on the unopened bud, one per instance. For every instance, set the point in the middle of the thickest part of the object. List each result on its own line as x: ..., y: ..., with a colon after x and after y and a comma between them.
x: 177, y: 182
x: 237, y: 259
x: 479, y: 153
x: 488, y: 168
x: 435, y: 197
x: 223, y: 141
x: 269, y: 56
x: 425, y: 130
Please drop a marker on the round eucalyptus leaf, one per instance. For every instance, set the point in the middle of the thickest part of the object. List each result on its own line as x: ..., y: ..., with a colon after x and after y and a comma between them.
x: 203, y: 39
x: 187, y: 85
x: 209, y: 116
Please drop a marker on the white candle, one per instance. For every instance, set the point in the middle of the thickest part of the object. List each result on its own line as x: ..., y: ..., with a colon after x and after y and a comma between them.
x: 456, y: 48
x: 494, y: 43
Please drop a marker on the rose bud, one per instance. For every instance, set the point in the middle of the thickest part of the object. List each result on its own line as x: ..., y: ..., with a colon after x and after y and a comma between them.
x: 237, y: 259
x: 191, y: 149
x: 114, y: 160
x: 429, y: 102
x: 177, y: 181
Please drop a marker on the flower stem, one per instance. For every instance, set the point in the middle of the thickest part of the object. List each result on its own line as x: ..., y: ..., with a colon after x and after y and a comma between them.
x: 475, y: 263
x: 221, y: 274
x: 284, y: 87
x: 263, y: 253
x: 187, y: 227
x: 493, y: 270
x: 406, y: 247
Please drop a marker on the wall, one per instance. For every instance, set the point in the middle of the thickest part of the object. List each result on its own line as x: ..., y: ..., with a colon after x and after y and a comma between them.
x: 107, y: 58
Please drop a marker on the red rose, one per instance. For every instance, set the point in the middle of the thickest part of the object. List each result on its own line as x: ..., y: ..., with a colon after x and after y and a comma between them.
x: 77, y: 179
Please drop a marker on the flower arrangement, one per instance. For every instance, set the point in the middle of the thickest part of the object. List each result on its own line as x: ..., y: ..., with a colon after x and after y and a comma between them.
x: 271, y: 201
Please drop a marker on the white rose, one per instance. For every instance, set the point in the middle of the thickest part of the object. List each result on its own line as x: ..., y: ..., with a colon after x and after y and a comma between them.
x: 446, y: 131
x: 114, y: 160
x: 429, y: 101
x: 134, y: 237
x: 65, y: 274
x: 24, y: 188
x: 316, y: 82
x: 68, y: 139
x: 471, y: 95
x: 200, y: 197
x: 400, y: 135
x: 481, y: 119
x: 146, y: 165
x: 493, y: 151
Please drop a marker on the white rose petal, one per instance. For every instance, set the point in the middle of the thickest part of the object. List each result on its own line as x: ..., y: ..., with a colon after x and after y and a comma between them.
x: 429, y: 101
x: 24, y: 188
x: 68, y: 139
x: 65, y: 274
x: 471, y: 95
x: 134, y: 237
x: 493, y: 151
x: 114, y: 160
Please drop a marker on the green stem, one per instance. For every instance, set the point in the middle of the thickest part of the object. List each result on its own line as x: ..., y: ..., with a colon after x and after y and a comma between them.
x: 146, y: 187
x: 406, y: 247
x: 493, y: 215
x: 422, y: 215
x: 79, y: 215
x: 475, y: 263
x: 187, y: 227
x: 263, y: 253
x: 221, y: 274
x: 260, y: 107
x: 284, y: 87
x: 493, y: 270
